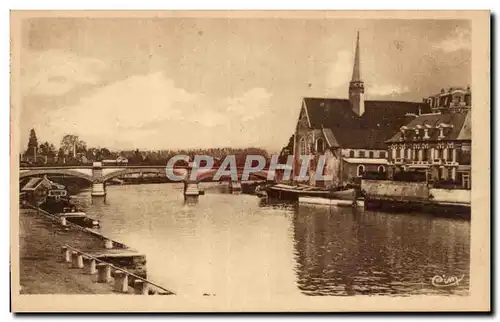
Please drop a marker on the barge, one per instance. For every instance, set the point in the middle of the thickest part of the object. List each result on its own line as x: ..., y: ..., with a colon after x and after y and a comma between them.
x: 293, y: 193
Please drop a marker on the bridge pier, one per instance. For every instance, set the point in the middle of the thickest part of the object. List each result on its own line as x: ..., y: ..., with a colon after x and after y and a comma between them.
x: 235, y: 187
x: 98, y: 190
x: 98, y: 185
x: 191, y: 191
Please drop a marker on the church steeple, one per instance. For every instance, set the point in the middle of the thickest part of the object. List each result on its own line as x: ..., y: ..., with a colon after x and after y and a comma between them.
x: 356, y: 85
x: 356, y: 75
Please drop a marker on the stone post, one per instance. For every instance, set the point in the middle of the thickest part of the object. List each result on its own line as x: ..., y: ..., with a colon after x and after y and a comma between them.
x: 103, y: 273
x: 67, y: 254
x: 76, y: 260
x: 140, y: 287
x: 63, y: 221
x: 121, y: 282
x: 92, y: 266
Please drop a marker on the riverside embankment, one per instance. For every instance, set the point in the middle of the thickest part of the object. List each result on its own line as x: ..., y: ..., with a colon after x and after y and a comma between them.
x: 44, y: 270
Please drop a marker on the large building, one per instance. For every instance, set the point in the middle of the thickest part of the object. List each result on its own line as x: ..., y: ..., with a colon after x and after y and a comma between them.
x: 439, y: 143
x: 350, y: 132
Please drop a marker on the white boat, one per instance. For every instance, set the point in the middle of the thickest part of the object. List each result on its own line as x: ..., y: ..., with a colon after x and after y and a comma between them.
x: 331, y: 202
x: 80, y: 218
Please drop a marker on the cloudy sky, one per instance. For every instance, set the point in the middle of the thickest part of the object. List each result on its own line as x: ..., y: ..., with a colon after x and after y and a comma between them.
x: 198, y: 82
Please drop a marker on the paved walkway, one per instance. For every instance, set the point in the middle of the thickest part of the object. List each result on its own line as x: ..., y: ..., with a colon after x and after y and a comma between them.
x: 42, y: 269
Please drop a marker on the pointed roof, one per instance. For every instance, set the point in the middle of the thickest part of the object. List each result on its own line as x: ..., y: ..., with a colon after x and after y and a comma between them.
x: 356, y: 71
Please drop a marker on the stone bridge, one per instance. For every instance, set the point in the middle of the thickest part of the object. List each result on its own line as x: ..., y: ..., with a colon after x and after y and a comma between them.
x: 98, y: 175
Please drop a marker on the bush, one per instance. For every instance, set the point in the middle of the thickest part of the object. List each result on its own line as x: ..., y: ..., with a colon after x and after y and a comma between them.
x: 447, y: 184
x: 411, y: 176
x: 374, y: 175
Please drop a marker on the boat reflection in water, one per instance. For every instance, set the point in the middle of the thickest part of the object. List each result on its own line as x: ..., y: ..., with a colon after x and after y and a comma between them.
x: 341, y: 251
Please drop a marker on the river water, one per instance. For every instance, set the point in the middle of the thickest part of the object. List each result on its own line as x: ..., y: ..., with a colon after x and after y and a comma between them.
x: 236, y: 245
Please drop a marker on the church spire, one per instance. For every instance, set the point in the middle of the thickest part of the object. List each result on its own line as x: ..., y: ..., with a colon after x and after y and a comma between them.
x: 356, y: 85
x: 356, y: 74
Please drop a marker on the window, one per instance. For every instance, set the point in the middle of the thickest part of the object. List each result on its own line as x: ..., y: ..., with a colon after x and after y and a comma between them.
x: 449, y: 155
x: 303, y: 146
x: 381, y: 169
x: 424, y: 154
x: 320, y: 145
x: 441, y: 173
x: 351, y: 154
x: 382, y: 154
x: 361, y: 154
x: 370, y: 154
x: 361, y: 170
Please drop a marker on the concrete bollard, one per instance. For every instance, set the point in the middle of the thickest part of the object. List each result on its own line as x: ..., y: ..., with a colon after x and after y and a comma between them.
x: 79, y: 261
x: 140, y: 287
x: 74, y: 259
x: 63, y: 221
x: 108, y: 244
x: 66, y: 253
x: 92, y: 266
x: 103, y: 273
x: 121, y: 282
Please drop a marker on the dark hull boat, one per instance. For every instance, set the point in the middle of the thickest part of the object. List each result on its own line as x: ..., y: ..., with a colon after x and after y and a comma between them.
x: 287, y: 192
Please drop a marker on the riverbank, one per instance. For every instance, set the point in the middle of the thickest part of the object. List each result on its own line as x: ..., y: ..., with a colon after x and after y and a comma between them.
x: 42, y: 269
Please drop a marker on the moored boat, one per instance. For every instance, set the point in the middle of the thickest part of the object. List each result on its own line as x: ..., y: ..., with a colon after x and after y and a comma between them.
x: 287, y: 192
x: 331, y: 202
x: 80, y: 218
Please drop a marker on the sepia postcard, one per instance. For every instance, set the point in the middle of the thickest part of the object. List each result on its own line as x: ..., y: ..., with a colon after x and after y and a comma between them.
x: 250, y: 161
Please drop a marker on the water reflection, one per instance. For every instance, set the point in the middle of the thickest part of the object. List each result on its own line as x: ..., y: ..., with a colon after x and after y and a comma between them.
x: 238, y: 245
x: 341, y: 252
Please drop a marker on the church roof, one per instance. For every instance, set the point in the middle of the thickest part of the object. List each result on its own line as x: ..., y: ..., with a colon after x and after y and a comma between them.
x: 380, y: 121
x: 456, y: 127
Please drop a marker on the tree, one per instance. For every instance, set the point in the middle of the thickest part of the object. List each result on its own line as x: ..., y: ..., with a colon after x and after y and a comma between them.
x: 61, y: 157
x: 105, y: 153
x: 71, y: 145
x: 92, y: 154
x: 136, y: 158
x: 32, y: 144
x: 47, y: 150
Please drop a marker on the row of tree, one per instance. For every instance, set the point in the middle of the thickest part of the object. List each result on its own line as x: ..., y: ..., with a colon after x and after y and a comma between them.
x: 73, y: 150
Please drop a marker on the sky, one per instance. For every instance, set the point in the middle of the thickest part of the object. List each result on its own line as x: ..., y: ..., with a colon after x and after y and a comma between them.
x: 169, y: 83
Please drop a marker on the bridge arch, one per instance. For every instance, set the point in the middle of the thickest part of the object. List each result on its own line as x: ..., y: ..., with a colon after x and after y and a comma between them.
x: 260, y: 175
x: 127, y: 171
x: 64, y: 172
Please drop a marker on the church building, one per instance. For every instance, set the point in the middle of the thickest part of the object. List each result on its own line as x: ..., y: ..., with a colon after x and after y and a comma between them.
x: 351, y: 133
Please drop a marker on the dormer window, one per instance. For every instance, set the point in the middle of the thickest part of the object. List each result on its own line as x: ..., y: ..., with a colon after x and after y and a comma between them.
x: 426, y: 133
x: 442, y: 127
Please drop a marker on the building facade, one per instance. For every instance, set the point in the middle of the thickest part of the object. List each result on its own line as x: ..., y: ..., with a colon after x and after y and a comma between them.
x: 350, y: 133
x: 437, y: 144
x: 452, y: 100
